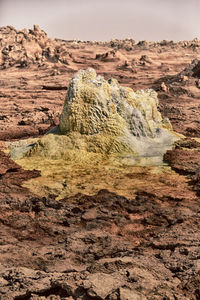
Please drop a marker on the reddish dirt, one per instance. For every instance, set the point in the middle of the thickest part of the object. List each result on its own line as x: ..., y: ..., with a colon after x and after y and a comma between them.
x: 103, y: 246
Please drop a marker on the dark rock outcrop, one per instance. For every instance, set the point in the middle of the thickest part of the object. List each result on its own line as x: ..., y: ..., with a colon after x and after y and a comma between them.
x: 11, y: 179
x: 185, y: 159
x: 193, y: 70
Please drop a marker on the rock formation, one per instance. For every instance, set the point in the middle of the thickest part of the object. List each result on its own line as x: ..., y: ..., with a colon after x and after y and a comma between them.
x: 193, y: 69
x: 101, y: 116
x: 184, y: 158
x: 25, y: 47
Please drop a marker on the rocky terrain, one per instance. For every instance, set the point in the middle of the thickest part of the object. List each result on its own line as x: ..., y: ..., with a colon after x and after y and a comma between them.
x: 118, y: 232
x: 37, y: 88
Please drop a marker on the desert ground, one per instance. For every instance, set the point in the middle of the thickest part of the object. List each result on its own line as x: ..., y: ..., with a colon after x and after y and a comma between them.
x: 97, y: 231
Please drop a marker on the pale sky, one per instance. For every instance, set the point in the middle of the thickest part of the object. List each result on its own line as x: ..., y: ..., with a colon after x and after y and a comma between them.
x: 151, y: 20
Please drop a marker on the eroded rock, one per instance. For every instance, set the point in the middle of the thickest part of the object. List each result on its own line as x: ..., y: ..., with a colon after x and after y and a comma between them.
x: 22, y: 48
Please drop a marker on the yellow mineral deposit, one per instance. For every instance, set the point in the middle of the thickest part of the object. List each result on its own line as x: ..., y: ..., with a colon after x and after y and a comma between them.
x: 100, y: 116
x: 105, y: 129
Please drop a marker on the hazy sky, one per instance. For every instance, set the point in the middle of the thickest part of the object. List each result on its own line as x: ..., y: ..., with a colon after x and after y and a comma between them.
x: 106, y: 19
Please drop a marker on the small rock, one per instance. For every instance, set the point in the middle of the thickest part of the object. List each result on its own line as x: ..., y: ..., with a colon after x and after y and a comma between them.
x: 127, y: 294
x: 198, y: 83
x: 163, y: 87
x: 184, y: 78
x: 101, y: 284
x: 90, y: 214
x: 3, y: 282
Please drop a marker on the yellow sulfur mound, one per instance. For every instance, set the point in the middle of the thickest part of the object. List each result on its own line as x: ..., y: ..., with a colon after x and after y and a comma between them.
x: 102, y: 117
